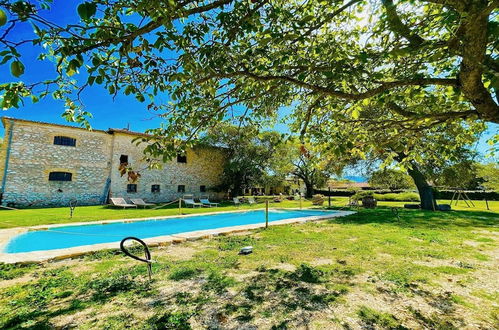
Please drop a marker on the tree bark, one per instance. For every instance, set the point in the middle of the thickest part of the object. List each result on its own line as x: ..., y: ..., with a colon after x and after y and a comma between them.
x: 309, y: 189
x: 428, y: 201
x: 474, y: 54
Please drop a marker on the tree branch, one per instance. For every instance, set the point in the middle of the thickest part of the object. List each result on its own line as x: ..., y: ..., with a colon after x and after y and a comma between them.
x: 437, y: 116
x: 151, y: 26
x: 397, y: 26
x: 384, y: 86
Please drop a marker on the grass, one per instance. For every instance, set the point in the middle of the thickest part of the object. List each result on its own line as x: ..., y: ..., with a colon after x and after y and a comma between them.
x: 60, y: 215
x: 371, y: 270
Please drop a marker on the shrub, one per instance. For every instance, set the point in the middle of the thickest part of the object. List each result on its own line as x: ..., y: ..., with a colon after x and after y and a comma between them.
x: 406, y: 197
x: 318, y: 199
x: 473, y: 195
x: 361, y: 194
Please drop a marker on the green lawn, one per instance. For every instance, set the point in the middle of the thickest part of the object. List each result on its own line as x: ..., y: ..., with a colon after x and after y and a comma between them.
x: 44, y: 216
x: 434, y: 270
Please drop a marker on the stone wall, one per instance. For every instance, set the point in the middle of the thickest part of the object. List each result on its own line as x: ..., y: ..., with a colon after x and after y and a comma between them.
x: 203, y: 167
x: 93, y: 161
x: 33, y: 156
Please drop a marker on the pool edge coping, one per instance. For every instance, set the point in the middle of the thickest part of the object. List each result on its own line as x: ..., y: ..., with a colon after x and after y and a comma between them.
x: 66, y: 253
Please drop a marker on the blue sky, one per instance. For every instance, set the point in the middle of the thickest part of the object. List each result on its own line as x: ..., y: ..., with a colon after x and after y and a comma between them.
x: 107, y: 112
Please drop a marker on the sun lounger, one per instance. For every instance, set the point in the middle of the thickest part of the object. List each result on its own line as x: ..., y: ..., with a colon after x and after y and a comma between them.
x: 236, y: 200
x: 251, y: 200
x: 120, y: 202
x: 189, y: 201
x: 206, y: 202
x: 140, y: 202
x: 353, y: 202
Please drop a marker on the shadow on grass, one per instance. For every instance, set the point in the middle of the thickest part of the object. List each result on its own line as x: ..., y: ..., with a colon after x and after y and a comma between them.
x: 421, y: 218
x: 31, y: 303
x: 281, y: 292
x: 39, y: 319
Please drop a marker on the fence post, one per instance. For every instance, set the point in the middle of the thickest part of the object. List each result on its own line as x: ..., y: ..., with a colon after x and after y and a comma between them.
x: 267, y: 213
x: 180, y: 206
x: 329, y: 196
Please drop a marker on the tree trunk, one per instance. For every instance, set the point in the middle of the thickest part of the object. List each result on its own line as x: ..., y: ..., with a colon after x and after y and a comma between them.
x: 309, y: 189
x: 238, y: 188
x: 428, y: 201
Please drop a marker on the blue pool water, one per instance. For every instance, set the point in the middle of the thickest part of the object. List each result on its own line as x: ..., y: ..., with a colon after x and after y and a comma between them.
x: 70, y: 236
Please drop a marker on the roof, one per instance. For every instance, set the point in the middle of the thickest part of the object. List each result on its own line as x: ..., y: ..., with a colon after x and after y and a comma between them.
x: 109, y: 131
x: 346, y: 185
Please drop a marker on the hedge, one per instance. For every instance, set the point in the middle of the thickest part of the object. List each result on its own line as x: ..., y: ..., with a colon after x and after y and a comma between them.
x: 473, y: 195
x: 388, y: 195
x: 400, y: 197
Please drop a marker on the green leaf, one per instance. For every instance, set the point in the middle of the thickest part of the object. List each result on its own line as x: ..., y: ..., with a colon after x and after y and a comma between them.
x: 355, y: 113
x: 140, y: 98
x: 17, y: 68
x: 86, y: 10
x: 3, y: 18
x: 5, y: 59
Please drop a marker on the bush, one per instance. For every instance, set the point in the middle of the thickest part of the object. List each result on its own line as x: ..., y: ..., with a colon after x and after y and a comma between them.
x: 318, y: 199
x: 473, y: 195
x: 401, y: 197
x: 361, y: 194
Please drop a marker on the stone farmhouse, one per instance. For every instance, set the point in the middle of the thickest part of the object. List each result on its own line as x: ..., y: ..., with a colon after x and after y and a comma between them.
x: 44, y: 164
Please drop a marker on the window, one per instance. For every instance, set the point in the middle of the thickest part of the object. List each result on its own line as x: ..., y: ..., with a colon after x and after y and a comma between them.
x: 155, y: 188
x: 123, y: 159
x: 181, y: 188
x: 64, y: 141
x: 60, y: 176
x: 202, y: 188
x: 131, y: 188
x: 181, y: 158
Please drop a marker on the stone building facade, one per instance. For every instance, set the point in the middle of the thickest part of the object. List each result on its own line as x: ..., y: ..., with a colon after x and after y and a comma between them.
x: 43, y: 164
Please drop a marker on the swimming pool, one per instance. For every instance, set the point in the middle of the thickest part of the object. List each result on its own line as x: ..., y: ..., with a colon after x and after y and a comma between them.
x: 89, y: 234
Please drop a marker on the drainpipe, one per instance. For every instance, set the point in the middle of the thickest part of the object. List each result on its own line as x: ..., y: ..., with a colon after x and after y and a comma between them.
x: 7, y: 157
